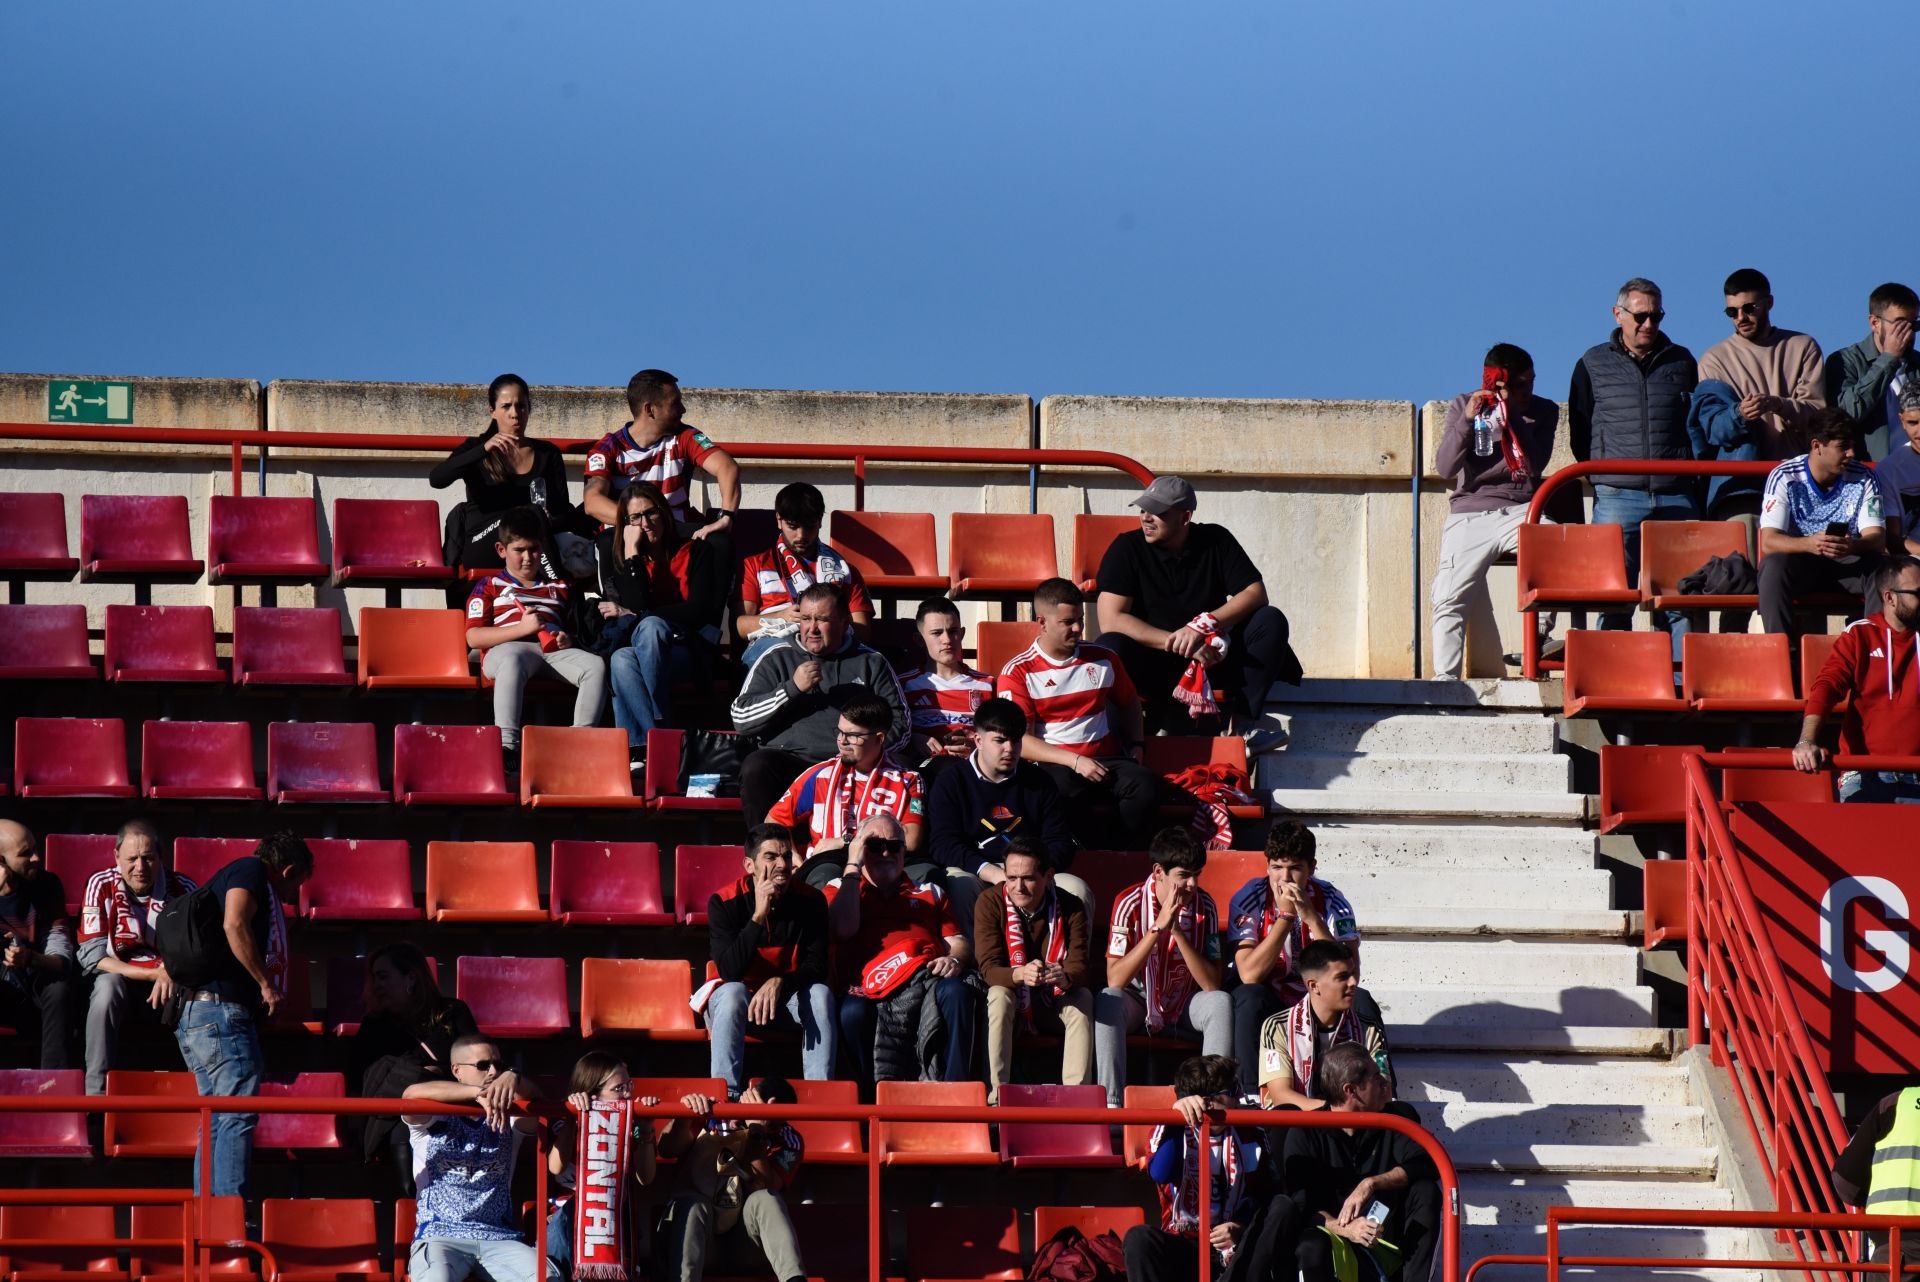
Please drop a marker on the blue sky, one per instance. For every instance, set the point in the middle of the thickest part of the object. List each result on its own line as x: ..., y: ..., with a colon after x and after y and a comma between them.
x: 1216, y: 198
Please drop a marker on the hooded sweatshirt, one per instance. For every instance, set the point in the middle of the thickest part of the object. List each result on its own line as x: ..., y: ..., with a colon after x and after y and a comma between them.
x: 1875, y: 664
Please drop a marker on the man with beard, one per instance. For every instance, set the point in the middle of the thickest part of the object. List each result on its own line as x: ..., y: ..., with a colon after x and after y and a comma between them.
x: 36, y: 947
x: 772, y: 581
x: 1030, y: 937
x: 1873, y: 665
x: 117, y: 916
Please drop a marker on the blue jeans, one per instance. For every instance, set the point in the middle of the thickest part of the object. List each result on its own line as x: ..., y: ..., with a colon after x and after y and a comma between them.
x: 1880, y: 786
x: 1613, y: 505
x: 642, y: 672
x: 220, y: 1045
x: 958, y: 1009
x: 759, y: 646
x: 810, y: 1010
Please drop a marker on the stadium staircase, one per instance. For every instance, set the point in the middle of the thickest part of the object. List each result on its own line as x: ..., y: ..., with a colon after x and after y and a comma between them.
x: 1512, y: 987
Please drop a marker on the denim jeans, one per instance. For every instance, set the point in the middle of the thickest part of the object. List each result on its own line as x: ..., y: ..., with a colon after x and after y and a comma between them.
x: 959, y: 1010
x: 810, y: 1010
x: 1880, y: 786
x: 642, y: 672
x: 760, y: 645
x: 220, y: 1045
x: 1613, y: 505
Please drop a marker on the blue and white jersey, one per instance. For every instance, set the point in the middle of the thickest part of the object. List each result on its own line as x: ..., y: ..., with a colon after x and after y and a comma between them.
x: 463, y: 1170
x: 1797, y: 505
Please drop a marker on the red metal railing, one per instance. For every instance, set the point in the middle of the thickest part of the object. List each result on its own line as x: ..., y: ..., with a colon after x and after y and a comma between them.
x: 876, y: 1247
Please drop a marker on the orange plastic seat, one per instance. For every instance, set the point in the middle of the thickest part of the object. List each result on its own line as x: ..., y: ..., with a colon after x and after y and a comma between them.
x: 151, y: 1134
x: 637, y: 998
x: 139, y: 537
x: 414, y: 650
x: 321, y: 1239
x: 1085, y: 1144
x: 482, y: 881
x: 1737, y: 785
x: 21, y: 1260
x: 275, y: 646
x: 1641, y: 785
x: 1747, y: 673
x: 1815, y: 648
x: 359, y: 880
x: 322, y: 762
x: 70, y: 757
x: 605, y: 883
x: 1090, y: 1220
x: 75, y: 857
x: 1134, y: 1136
x: 933, y: 1143
x: 1664, y: 883
x: 992, y: 554
x: 43, y: 1133
x: 1226, y: 872
x: 515, y: 996
x: 45, y: 643
x: 700, y: 872
x: 263, y: 540
x: 1092, y: 536
x: 976, y: 1243
x: 836, y: 1143
x: 449, y: 766
x: 227, y: 1222
x: 1573, y: 565
x: 893, y: 551
x: 387, y: 541
x: 33, y: 537
x: 198, y: 760
x: 584, y: 767
x: 198, y: 858
x: 1619, y: 672
x: 996, y: 643
x: 665, y: 786
x: 161, y: 643
x: 1671, y: 550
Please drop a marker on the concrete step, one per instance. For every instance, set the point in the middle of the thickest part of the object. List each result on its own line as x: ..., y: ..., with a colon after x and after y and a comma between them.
x: 1477, y: 692
x: 1490, y: 1079
x: 1479, y: 775
x: 1489, y: 1198
x: 1390, y: 964
x: 1496, y: 1153
x: 1503, y: 1009
x: 1557, y: 807
x: 1666, y: 1126
x: 1618, y: 1040
x: 1389, y: 729
x: 1494, y: 920
x: 1438, y: 886
x: 1676, y: 1244
x: 1347, y: 848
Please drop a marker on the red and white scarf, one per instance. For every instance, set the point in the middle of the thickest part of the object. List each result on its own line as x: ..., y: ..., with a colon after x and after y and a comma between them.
x: 828, y: 567
x: 1180, y: 1203
x: 1491, y: 378
x: 1168, y: 982
x: 1193, y: 688
x: 1017, y: 952
x: 600, y: 1191
x: 1213, y: 788
x: 1301, y: 1030
x: 848, y: 797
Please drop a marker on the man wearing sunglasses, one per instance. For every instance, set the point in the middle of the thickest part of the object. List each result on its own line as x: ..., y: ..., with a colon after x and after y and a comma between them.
x: 1629, y: 400
x: 1874, y: 669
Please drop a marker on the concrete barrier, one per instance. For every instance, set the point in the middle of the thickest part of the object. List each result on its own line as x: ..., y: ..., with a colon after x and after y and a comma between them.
x: 230, y: 403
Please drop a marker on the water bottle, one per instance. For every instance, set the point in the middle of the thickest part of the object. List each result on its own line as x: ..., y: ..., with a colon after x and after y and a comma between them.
x: 1482, y: 436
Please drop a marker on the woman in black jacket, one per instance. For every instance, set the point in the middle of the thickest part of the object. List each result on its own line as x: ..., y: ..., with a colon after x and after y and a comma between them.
x: 502, y: 468
x: 661, y: 596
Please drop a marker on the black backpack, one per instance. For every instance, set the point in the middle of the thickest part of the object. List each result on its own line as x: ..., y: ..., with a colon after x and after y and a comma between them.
x: 191, y: 938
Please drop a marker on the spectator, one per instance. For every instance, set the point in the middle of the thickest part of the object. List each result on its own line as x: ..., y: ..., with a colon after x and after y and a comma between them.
x: 1776, y: 372
x: 406, y: 1036
x: 217, y: 1032
x: 1202, y: 1085
x: 660, y: 600
x: 1293, y: 1044
x: 502, y: 468
x: 975, y: 812
x: 1821, y: 525
x: 1030, y: 937
x: 826, y: 803
x: 943, y: 695
x: 771, y: 581
x: 1629, y: 400
x: 789, y: 707
x: 1899, y: 470
x: 897, y: 950
x: 1072, y: 694
x: 1163, y: 963
x: 769, y: 967
x: 464, y: 1217
x: 36, y: 992
x: 1271, y: 920
x: 1873, y: 665
x: 727, y: 1201
x: 603, y: 1077
x: 656, y: 445
x: 1172, y: 589
x: 1494, y: 481
x: 1860, y: 378
x: 117, y: 915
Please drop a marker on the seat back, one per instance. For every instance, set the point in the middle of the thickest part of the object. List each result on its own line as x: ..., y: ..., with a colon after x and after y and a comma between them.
x: 301, y: 1130
x: 413, y: 647
x: 199, y: 858
x: 840, y: 1137
x: 314, y: 1238
x: 981, y: 1243
x: 322, y: 757
x: 1109, y: 874
x: 43, y: 1133
x: 71, y: 753
x: 347, y: 991
x: 1642, y: 784
x: 287, y: 645
x: 1571, y: 558
x: 151, y: 1134
x: 33, y: 532
x: 997, y: 643
x: 1090, y: 1220
x: 574, y: 761
x: 1741, y: 666
x: 196, y: 759
x: 1134, y: 1136
x: 1815, y: 647
x: 515, y: 996
x: 634, y: 995
x: 383, y: 534
x: 1619, y: 665
x: 21, y: 1227
x: 44, y: 641
x: 1010, y: 552
x: 603, y: 877
x: 1054, y: 1140
x: 1092, y: 536
x: 1737, y: 785
x: 933, y: 1139
x: 481, y: 877
x: 74, y: 858
x: 699, y: 872
x: 447, y: 759
x: 170, y: 640
x: 144, y: 529
x: 832, y: 1253
x: 359, y: 880
x: 881, y: 544
x: 226, y: 1222
x: 1168, y: 755
x: 1671, y: 550
x: 259, y: 530
x: 1226, y: 872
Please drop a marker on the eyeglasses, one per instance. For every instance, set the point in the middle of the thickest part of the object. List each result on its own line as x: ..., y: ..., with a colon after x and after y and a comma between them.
x: 885, y: 846
x: 485, y: 1065
x: 1904, y: 591
x: 854, y: 736
x: 646, y: 514
x: 1641, y: 318
x: 1744, y: 309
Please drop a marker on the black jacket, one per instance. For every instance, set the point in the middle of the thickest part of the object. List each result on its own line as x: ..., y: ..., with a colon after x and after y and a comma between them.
x: 1621, y: 408
x: 797, y: 919
x: 545, y: 487
x: 625, y: 583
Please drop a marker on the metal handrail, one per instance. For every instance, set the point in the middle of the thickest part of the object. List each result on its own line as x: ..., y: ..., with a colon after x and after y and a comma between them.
x: 1638, y: 1217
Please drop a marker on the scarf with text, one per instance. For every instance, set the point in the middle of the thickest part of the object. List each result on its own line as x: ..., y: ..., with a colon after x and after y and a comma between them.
x: 276, y: 958
x: 600, y: 1191
x: 1301, y: 1032
x: 1168, y: 982
x: 1491, y: 377
x: 1180, y: 1203
x: 1193, y: 688
x: 1017, y: 952
x: 847, y: 799
x: 828, y: 567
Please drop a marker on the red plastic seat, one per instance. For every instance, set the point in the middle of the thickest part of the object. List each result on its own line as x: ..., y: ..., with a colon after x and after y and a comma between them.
x: 197, y: 761
x: 449, y: 766
x: 700, y: 872
x: 161, y: 643
x: 635, y: 998
x: 321, y: 1239
x: 995, y: 554
x: 263, y: 540
x: 605, y: 883
x: 45, y: 643
x: 1737, y: 785
x: 1134, y: 1137
x: 583, y: 767
x: 227, y: 1222
x: 1815, y: 647
x: 666, y: 790
x: 1573, y: 565
x: 151, y: 1134
x: 996, y: 643
x: 977, y: 1243
x: 893, y: 551
x: 515, y: 996
x: 136, y: 536
x: 74, y: 858
x: 832, y: 1252
x: 70, y: 757
x: 23, y: 1261
x: 1110, y: 874
x: 1092, y: 536
x: 1641, y: 785
x: 1056, y: 1143
x: 414, y: 650
x: 933, y: 1143
x: 387, y: 541
x: 347, y: 991
x: 323, y: 762
x: 277, y: 646
x: 301, y: 1130
x: 359, y: 881
x: 1748, y: 673
x: 1090, y: 1220
x: 836, y: 1143
x: 1671, y: 550
x: 33, y: 537
x: 482, y: 881
x: 43, y: 1133
x: 1226, y: 872
x: 1619, y: 672
x: 198, y: 858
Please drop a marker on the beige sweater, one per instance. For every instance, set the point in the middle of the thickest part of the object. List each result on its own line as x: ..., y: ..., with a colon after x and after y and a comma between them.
x: 1783, y: 364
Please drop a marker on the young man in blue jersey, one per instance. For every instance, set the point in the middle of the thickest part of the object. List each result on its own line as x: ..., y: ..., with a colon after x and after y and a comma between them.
x: 1822, y: 522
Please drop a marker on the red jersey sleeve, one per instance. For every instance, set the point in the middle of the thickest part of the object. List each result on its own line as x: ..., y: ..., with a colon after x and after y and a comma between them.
x: 786, y: 810
x: 94, y: 912
x: 750, y: 580
x: 480, y: 604
x: 915, y: 809
x: 857, y: 602
x: 600, y: 459
x: 1012, y: 684
x: 1836, y: 679
x: 698, y: 445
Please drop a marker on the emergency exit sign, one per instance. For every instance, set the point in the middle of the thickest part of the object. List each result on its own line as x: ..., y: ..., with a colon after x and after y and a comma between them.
x: 75, y: 400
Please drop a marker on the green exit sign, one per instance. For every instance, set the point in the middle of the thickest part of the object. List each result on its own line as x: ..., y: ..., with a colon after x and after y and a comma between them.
x: 79, y: 400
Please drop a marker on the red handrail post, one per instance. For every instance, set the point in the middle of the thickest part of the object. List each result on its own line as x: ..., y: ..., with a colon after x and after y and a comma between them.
x: 876, y: 1213
x: 236, y: 468
x: 1553, y: 1245
x: 1205, y: 1162
x: 203, y: 1194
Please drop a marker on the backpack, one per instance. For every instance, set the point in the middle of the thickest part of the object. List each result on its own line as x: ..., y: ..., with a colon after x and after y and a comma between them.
x: 1072, y: 1256
x: 191, y: 938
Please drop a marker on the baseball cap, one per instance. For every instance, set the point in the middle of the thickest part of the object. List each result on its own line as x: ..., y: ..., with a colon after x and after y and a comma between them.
x: 1164, y: 495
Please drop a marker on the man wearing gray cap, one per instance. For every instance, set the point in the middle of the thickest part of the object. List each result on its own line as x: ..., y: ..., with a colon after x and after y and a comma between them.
x: 1186, y: 611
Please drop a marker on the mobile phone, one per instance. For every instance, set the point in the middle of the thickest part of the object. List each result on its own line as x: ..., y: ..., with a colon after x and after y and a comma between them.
x: 1377, y: 1212
x: 1838, y: 529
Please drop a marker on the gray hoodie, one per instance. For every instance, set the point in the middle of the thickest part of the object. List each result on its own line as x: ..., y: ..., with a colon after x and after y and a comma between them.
x: 774, y: 712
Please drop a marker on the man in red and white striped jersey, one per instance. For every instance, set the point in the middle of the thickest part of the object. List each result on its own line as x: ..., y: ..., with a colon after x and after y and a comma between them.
x: 657, y: 445
x: 943, y: 695
x: 117, y: 916
x: 1087, y: 729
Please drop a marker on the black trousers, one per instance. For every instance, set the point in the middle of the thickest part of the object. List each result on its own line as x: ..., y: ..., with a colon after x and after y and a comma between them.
x: 46, y: 1011
x: 1784, y: 576
x: 1155, y: 1255
x: 1131, y: 788
x: 764, y: 775
x: 1281, y: 1244
x: 1259, y: 653
x: 1252, y: 1004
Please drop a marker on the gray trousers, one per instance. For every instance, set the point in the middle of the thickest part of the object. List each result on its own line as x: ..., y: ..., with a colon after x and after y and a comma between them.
x: 114, y: 999
x: 455, y: 1259
x: 512, y: 664
x: 764, y: 1237
x: 1117, y: 1012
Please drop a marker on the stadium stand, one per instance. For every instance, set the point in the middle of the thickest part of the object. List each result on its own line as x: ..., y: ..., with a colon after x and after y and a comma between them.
x: 45, y: 643
x: 136, y: 538
x: 263, y: 540
x: 288, y: 647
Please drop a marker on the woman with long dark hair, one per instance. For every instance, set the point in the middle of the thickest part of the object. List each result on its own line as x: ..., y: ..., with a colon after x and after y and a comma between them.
x: 406, y: 1036
x: 502, y: 468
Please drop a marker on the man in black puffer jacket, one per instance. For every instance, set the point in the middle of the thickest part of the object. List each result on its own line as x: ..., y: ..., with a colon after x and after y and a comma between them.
x: 1629, y: 400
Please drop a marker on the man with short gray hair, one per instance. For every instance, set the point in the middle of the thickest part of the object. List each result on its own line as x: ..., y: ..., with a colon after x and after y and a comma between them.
x: 117, y: 916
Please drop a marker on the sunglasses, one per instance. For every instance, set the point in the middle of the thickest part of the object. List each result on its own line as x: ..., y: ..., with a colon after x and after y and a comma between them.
x: 1744, y: 309
x: 1643, y: 318
x: 885, y: 846
x: 485, y: 1065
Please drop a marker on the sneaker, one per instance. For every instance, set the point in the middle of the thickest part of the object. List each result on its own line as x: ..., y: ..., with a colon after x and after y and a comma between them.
x: 637, y: 760
x: 510, y: 758
x: 1262, y: 739
x: 1552, y: 649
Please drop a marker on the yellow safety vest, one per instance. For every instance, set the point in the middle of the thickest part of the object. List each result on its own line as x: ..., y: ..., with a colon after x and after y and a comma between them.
x: 1895, y: 1186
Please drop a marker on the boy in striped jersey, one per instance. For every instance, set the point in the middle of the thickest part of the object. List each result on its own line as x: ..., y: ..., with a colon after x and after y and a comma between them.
x: 943, y: 695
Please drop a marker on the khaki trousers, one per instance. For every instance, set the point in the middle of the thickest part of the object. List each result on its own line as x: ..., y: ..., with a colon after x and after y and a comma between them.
x: 1072, y: 1020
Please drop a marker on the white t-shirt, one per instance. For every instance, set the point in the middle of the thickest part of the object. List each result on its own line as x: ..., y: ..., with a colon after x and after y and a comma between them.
x: 1797, y: 505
